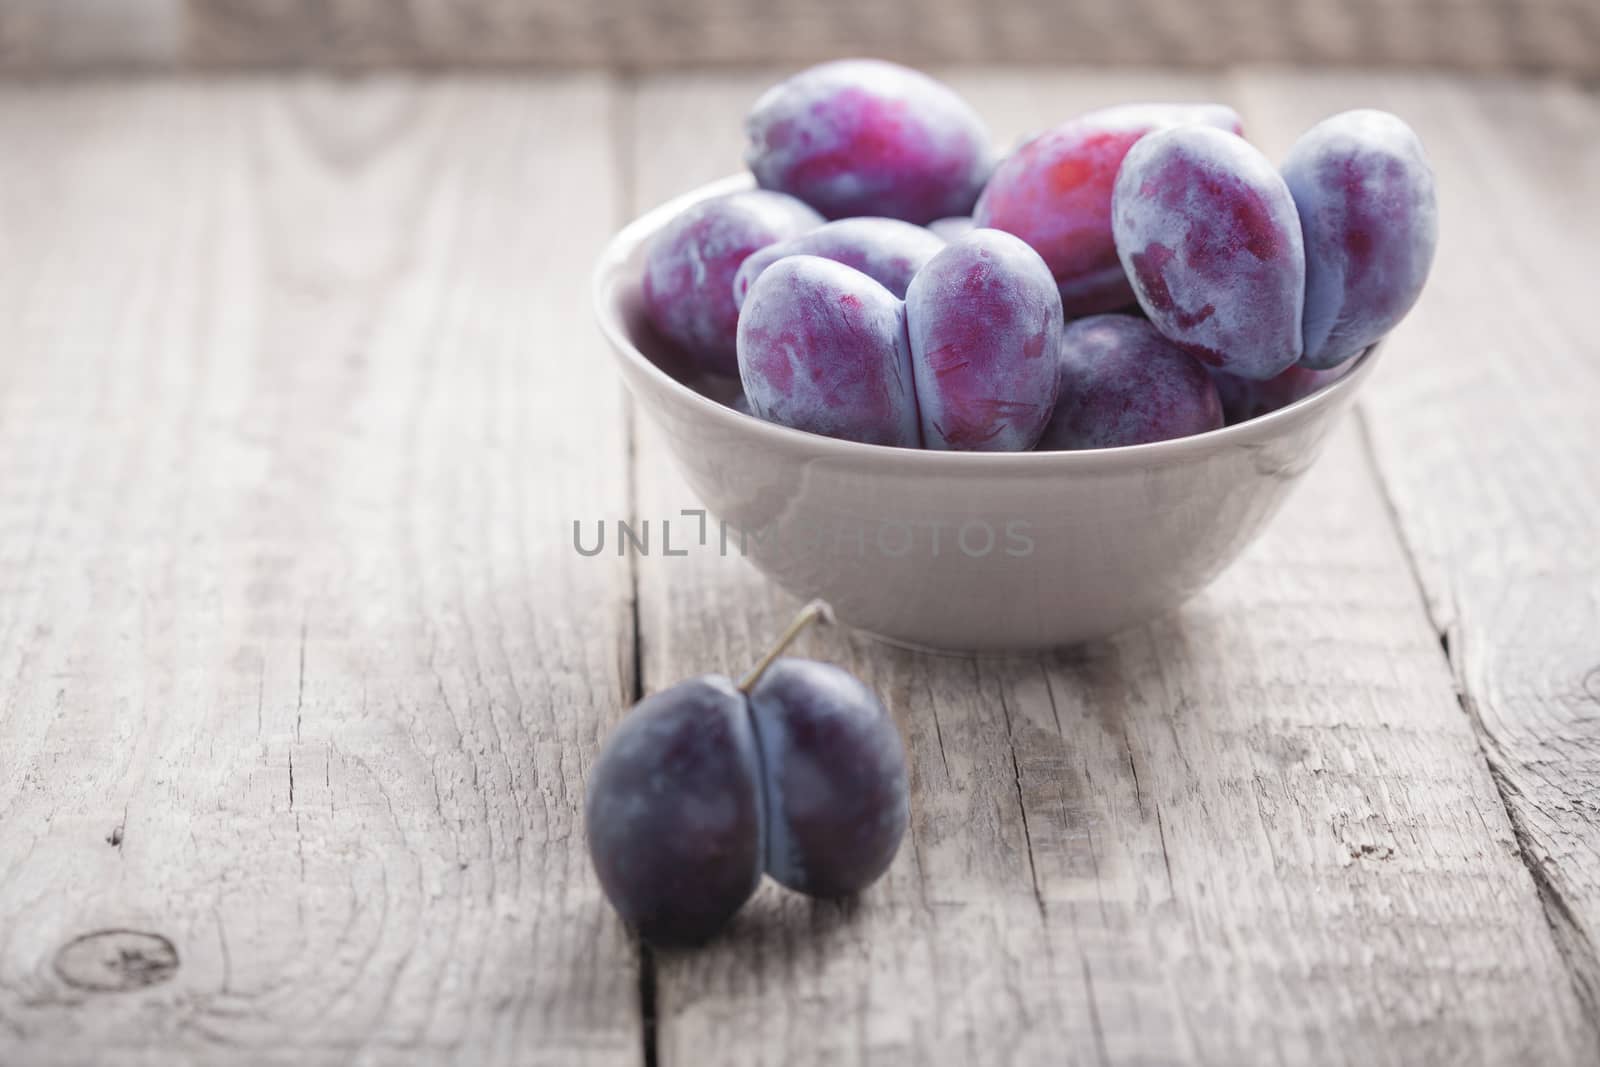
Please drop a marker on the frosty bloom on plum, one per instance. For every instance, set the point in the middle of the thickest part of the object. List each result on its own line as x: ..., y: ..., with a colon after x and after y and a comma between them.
x: 797, y: 771
x: 1133, y: 331
x: 917, y: 317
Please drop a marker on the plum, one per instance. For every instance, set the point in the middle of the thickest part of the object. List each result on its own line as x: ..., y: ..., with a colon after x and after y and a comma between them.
x: 886, y: 250
x: 1054, y: 191
x: 1209, y: 236
x: 1365, y: 195
x: 690, y: 265
x: 867, y: 137
x: 1122, y: 383
x: 823, y: 347
x: 798, y: 770
x: 1243, y: 399
x: 953, y: 227
x: 835, y: 778
x: 985, y: 322
x: 674, y: 813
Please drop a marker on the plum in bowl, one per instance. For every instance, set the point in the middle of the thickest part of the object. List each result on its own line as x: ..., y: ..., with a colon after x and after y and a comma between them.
x: 968, y: 551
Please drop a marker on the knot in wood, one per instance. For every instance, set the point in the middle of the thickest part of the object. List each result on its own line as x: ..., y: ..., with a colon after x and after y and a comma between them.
x: 115, y: 961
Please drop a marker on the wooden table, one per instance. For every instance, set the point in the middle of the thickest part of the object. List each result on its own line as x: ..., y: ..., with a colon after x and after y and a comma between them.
x: 301, y: 676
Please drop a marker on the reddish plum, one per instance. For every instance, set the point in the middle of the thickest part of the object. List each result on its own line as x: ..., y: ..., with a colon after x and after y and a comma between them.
x: 886, y: 250
x: 985, y: 322
x: 1209, y: 237
x: 1365, y: 194
x: 1054, y: 191
x: 866, y: 137
x: 823, y: 347
x: 689, y: 268
x: 1122, y: 383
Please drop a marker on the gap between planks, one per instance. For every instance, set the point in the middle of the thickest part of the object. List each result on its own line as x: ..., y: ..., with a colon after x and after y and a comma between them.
x: 624, y: 117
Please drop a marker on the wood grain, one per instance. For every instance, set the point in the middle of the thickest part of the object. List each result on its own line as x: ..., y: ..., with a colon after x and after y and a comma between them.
x: 1258, y: 831
x: 299, y: 675
x: 43, y: 36
x: 1486, y: 436
x: 1479, y: 35
x: 652, y: 34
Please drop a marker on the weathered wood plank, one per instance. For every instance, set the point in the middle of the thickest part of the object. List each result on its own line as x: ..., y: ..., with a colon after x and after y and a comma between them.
x: 298, y: 670
x: 1257, y: 831
x: 44, y: 36
x: 1485, y: 430
x: 653, y: 34
x: 38, y: 36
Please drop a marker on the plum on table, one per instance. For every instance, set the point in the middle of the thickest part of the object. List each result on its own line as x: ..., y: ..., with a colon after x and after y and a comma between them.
x: 674, y: 812
x: 835, y: 777
x: 798, y: 771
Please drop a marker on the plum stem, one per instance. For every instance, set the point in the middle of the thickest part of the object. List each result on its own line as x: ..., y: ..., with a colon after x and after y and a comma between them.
x: 812, y: 612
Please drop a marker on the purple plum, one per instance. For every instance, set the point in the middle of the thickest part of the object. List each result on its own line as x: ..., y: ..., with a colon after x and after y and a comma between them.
x: 823, y: 347
x: 1365, y: 194
x: 886, y: 250
x: 1122, y: 383
x: 674, y: 812
x: 1209, y: 236
x: 689, y: 268
x: 953, y: 227
x: 1054, y: 191
x: 1243, y: 399
x: 985, y: 322
x: 866, y: 137
x: 798, y: 770
x: 836, y: 799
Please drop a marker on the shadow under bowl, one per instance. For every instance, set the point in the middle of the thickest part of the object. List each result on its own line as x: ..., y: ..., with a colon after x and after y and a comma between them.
x: 968, y: 551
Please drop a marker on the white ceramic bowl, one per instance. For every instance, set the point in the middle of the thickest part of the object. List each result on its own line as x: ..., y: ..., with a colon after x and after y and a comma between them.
x: 962, y: 550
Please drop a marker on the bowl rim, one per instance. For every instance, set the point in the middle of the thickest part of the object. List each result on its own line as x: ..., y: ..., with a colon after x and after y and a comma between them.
x: 626, y: 242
